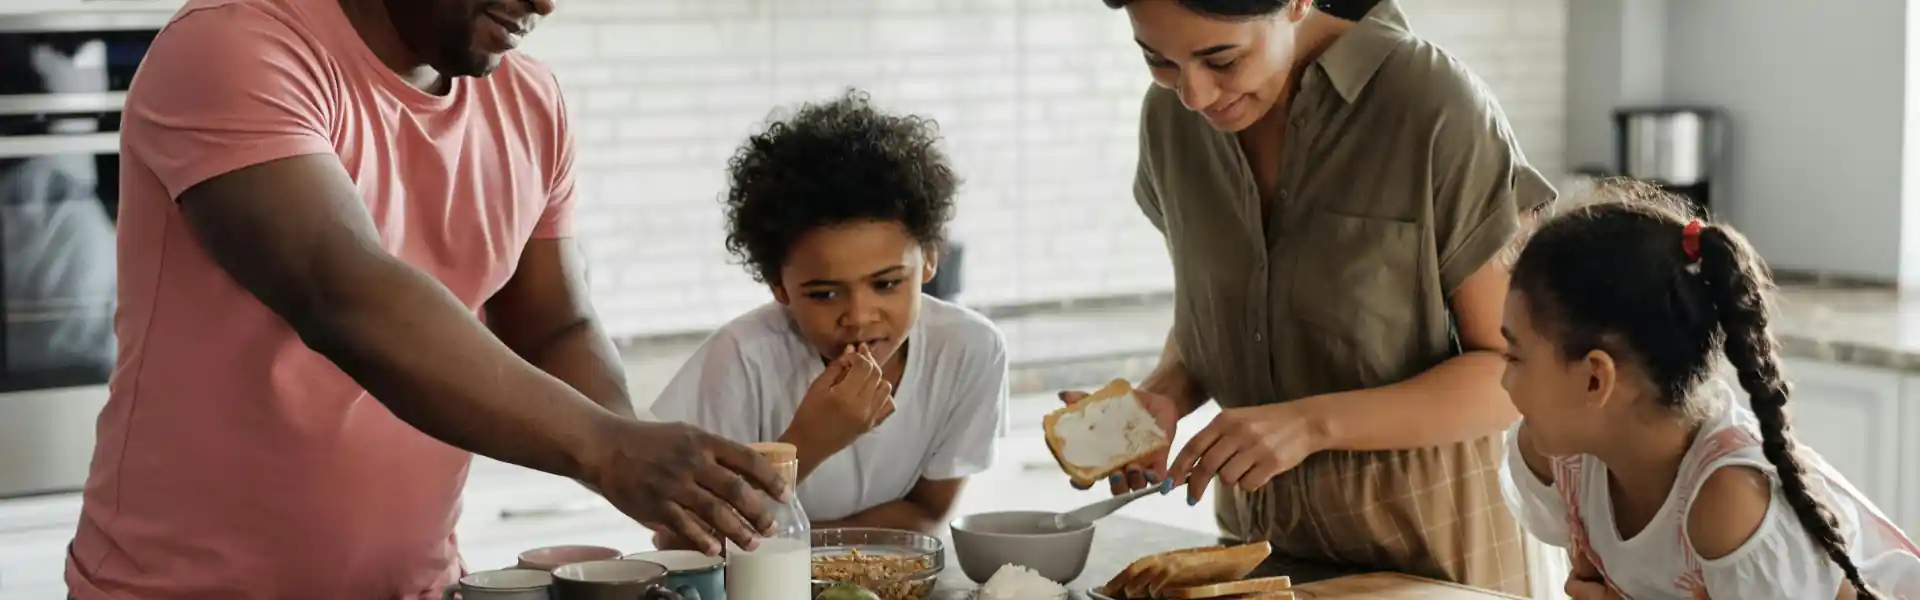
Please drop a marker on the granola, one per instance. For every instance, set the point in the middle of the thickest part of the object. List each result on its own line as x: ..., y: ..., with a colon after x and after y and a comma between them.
x: 889, y: 577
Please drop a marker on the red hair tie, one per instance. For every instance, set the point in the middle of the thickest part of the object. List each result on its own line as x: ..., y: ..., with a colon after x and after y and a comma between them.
x: 1690, y: 240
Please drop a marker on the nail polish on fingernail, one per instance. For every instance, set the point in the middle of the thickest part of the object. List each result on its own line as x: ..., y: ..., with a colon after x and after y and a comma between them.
x: 1114, y: 478
x: 1153, y: 478
x: 1192, y: 501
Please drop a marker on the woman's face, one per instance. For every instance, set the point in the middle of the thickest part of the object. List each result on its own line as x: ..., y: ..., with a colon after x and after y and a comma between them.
x: 1564, y: 401
x: 1231, y: 71
x: 855, y: 283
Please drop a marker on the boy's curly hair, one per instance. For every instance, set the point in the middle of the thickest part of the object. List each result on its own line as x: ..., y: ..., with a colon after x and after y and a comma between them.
x: 831, y: 163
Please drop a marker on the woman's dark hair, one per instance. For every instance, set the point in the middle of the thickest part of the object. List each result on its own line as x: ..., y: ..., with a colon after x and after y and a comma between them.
x: 831, y: 163
x: 1351, y: 10
x: 1614, y: 275
x: 1232, y: 9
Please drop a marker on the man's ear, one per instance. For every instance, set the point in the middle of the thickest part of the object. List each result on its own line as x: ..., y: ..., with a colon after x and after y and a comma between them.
x: 779, y: 294
x: 931, y: 257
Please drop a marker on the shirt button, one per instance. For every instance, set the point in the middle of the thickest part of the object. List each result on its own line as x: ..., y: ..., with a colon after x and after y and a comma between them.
x: 1258, y: 338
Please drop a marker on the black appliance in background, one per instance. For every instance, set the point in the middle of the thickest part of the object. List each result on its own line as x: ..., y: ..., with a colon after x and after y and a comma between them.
x: 945, y: 284
x: 63, y: 82
x: 1675, y: 147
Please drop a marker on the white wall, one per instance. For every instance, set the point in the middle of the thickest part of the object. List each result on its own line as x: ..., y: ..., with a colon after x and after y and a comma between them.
x: 1910, y: 182
x: 1038, y: 99
x: 1815, y: 93
x: 1615, y: 57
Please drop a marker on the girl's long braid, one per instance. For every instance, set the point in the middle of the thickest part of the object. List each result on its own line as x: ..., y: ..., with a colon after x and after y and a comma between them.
x: 1737, y: 282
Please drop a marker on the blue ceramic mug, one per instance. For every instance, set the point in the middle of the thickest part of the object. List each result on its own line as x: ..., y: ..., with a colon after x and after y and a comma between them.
x: 687, y: 568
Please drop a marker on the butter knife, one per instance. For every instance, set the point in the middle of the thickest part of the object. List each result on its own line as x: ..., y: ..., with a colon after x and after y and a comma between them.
x: 1086, y: 515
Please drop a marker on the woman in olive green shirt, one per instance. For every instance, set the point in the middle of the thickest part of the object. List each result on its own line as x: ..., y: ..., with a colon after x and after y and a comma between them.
x: 1335, y: 193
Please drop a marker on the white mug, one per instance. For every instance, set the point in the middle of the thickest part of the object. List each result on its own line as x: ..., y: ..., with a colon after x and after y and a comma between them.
x: 503, y: 584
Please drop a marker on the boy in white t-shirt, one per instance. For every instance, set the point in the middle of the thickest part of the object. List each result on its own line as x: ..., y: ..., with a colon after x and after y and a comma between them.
x: 893, y: 398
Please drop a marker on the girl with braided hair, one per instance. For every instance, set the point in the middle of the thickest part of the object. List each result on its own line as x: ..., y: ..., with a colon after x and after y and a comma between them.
x: 1631, y: 455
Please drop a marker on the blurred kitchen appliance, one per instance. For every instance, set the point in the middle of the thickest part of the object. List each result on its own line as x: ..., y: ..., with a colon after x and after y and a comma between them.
x: 63, y: 84
x: 1676, y: 147
x: 945, y: 284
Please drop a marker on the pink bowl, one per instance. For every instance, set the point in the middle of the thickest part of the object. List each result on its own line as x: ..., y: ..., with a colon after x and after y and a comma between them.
x: 554, y: 557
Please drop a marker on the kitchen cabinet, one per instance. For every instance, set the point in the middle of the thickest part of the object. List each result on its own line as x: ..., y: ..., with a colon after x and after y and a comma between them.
x: 1907, y: 513
x: 1852, y: 416
x: 1849, y: 414
x: 1862, y: 420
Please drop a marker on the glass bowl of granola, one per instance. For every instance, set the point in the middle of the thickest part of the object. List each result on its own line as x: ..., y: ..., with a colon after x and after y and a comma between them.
x: 894, y: 564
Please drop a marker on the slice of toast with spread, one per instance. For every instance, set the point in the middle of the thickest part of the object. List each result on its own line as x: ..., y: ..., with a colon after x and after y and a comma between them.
x: 1103, y: 433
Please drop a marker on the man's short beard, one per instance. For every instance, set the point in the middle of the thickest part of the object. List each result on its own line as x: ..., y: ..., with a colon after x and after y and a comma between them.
x: 461, y: 59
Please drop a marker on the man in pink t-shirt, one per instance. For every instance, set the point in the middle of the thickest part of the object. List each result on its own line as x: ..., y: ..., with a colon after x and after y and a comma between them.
x: 321, y: 202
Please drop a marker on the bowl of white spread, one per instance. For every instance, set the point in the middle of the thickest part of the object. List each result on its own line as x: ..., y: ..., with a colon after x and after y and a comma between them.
x: 1014, y: 582
x: 985, y: 542
x: 1011, y: 582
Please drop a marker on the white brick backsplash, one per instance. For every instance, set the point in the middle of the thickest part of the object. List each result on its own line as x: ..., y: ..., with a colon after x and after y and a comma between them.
x: 1038, y: 101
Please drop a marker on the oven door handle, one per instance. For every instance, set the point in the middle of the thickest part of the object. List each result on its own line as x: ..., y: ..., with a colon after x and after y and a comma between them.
x: 33, y: 146
x: 66, y: 102
x: 94, y: 15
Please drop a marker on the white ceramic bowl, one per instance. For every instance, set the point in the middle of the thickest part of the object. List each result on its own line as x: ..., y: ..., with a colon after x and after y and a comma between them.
x: 987, y: 541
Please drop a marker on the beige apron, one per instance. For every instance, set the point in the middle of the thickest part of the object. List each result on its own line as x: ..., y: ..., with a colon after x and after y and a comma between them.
x: 1415, y: 511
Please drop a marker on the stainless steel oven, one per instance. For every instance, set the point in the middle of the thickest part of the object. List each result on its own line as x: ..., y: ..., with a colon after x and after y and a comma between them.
x: 63, y: 82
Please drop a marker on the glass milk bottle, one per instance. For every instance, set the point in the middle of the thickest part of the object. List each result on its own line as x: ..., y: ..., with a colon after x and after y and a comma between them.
x: 781, y: 566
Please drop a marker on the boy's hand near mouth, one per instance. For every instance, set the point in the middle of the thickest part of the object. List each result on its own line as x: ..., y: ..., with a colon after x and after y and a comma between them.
x: 845, y: 402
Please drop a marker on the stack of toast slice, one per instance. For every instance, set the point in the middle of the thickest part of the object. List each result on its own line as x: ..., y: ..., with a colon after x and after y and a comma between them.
x: 1206, y: 573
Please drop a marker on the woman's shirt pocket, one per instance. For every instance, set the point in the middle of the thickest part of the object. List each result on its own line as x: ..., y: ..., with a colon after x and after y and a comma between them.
x: 1355, y: 294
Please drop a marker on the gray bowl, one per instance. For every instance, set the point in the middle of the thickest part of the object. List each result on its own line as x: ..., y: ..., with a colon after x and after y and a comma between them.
x: 985, y: 542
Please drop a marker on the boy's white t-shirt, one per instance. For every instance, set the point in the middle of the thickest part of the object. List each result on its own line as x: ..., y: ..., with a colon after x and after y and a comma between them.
x: 746, y: 381
x: 1780, y: 560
